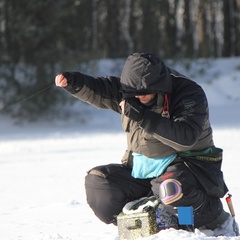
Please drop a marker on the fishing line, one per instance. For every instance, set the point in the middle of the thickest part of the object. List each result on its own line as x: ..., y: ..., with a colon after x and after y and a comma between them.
x: 27, y: 98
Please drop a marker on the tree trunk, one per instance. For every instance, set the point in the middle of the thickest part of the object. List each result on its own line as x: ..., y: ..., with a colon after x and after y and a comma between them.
x: 202, y: 30
x: 94, y: 25
x: 188, y: 30
x: 125, y: 26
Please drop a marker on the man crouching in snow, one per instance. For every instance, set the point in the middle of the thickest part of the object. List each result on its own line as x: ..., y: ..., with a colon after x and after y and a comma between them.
x: 171, y: 153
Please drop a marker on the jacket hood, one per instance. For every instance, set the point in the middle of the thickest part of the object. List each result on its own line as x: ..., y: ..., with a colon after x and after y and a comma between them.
x: 144, y: 73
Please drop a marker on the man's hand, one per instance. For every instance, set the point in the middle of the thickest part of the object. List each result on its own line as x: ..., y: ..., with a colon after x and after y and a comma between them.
x: 133, y: 109
x: 61, y: 81
x: 71, y: 81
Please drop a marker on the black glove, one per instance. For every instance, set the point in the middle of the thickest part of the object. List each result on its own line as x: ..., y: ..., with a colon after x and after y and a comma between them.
x: 70, y: 76
x: 73, y: 80
x: 134, y: 109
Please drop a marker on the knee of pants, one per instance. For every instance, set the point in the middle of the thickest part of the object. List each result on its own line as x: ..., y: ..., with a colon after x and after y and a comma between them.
x: 170, y: 191
x: 104, y: 198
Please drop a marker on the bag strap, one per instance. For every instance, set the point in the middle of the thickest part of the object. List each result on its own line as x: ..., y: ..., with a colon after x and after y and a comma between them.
x: 213, y: 154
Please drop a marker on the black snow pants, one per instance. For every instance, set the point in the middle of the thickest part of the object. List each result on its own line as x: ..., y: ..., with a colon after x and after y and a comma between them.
x: 110, y: 187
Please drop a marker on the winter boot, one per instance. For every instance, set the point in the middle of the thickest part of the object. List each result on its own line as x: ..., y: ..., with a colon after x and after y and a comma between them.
x: 228, y: 228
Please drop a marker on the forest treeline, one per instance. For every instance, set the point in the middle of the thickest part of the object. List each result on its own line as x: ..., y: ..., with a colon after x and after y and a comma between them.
x: 37, y: 38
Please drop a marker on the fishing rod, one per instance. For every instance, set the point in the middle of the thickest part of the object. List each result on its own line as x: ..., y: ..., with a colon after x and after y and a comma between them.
x: 27, y: 98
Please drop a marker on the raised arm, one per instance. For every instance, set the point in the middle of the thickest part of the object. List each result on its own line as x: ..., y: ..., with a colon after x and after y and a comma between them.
x: 101, y: 92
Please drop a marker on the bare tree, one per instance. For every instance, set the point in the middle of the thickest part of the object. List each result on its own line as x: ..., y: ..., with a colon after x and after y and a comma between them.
x: 125, y: 25
x: 231, y: 27
x: 188, y: 30
x: 214, y: 28
x: 202, y: 29
x: 94, y: 25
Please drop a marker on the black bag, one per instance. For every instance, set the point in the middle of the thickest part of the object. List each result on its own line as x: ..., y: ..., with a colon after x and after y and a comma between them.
x: 207, y: 170
x: 209, y: 176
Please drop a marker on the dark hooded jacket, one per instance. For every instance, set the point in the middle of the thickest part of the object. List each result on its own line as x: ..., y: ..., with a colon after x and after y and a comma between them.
x: 187, y: 127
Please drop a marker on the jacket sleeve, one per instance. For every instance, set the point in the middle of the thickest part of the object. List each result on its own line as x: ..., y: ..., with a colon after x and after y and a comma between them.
x: 184, y: 128
x: 101, y: 92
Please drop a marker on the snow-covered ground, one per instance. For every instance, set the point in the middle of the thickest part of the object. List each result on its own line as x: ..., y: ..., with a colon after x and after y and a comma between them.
x: 43, y: 165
